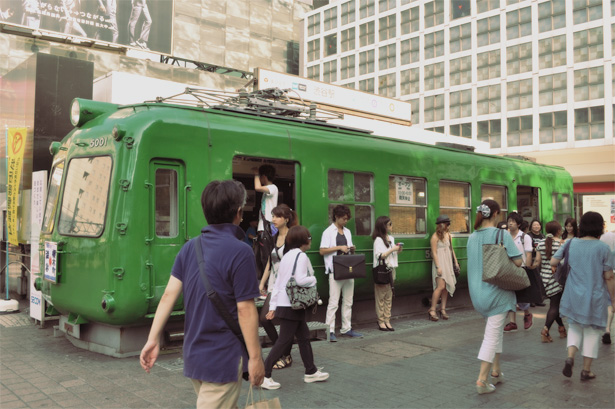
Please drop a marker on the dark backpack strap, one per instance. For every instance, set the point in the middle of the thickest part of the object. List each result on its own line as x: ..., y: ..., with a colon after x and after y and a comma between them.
x: 295, y: 265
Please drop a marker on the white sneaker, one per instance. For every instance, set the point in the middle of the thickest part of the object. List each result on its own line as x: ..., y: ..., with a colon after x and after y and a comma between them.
x: 316, y: 377
x: 270, y: 384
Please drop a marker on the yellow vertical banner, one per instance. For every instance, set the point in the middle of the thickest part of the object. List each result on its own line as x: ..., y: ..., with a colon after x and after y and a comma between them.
x: 15, y: 150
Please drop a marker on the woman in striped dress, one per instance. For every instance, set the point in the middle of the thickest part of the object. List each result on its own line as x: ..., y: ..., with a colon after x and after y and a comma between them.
x: 545, y: 249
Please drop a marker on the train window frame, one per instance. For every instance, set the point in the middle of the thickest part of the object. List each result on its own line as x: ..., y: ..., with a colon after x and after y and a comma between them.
x: 173, y: 208
x: 448, y: 209
x: 503, y: 204
x: 69, y: 169
x: 53, y: 195
x: 356, y: 204
x: 559, y: 206
x: 395, y: 191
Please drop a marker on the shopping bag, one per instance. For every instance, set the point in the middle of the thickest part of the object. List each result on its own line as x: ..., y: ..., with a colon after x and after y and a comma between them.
x: 261, y: 401
x: 499, y: 269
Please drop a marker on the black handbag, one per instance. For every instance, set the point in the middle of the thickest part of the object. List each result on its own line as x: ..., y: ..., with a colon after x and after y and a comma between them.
x: 535, y: 293
x: 300, y: 297
x: 382, y: 273
x: 349, y: 266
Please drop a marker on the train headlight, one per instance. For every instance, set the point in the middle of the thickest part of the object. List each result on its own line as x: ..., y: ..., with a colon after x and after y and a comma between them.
x: 54, y: 147
x: 75, y: 112
x: 84, y: 110
x: 108, y: 303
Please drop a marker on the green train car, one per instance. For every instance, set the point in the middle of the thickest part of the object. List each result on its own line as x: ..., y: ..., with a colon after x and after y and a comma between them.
x: 125, y: 186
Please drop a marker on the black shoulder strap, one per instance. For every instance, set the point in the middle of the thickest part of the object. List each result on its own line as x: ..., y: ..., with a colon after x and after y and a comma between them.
x: 231, y: 322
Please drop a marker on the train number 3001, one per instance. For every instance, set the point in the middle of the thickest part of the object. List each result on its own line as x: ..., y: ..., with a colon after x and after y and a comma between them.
x: 95, y: 143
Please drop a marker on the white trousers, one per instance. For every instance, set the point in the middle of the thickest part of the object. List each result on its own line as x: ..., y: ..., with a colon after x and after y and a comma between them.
x: 492, y: 340
x: 585, y: 338
x: 345, y: 289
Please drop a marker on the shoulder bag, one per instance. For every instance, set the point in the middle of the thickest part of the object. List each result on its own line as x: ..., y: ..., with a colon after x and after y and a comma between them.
x: 230, y: 321
x: 382, y: 273
x: 499, y: 269
x: 349, y: 266
x: 563, y: 268
x: 301, y: 298
x: 456, y: 269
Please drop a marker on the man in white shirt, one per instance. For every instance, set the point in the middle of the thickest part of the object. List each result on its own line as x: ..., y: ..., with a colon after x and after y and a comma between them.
x: 337, y: 239
x: 263, y: 183
x: 524, y: 244
x: 609, y: 238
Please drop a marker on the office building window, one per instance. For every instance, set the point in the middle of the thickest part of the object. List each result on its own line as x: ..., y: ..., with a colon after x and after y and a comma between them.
x: 434, y: 13
x: 330, y: 18
x: 551, y: 15
x: 486, y: 5
x: 460, y: 8
x: 409, y: 81
x: 348, y: 12
x: 588, y: 45
x: 439, y: 129
x: 386, y: 85
x: 589, y: 123
x: 434, y: 44
x: 384, y: 5
x: 409, y: 21
x: 519, y: 59
x: 488, y: 31
x: 586, y: 10
x: 330, y: 45
x: 613, y: 70
x: 509, y: 2
x: 434, y: 76
x: 313, y: 72
x: 461, y: 104
x: 489, y: 99
x: 461, y: 38
x: 552, y: 89
x: 366, y: 34
x: 552, y: 52
x: 349, y: 85
x: 490, y: 132
x: 347, y: 67
x: 519, y: 94
x: 348, y: 39
x: 416, y: 110
x: 367, y: 8
x: 613, y: 36
x: 314, y: 50
x: 314, y: 25
x: 461, y: 70
x: 463, y: 130
x: 519, y: 131
x: 386, y: 57
x: 329, y: 71
x: 589, y: 84
x: 553, y: 127
x: 488, y: 65
x: 519, y: 23
x: 434, y: 108
x: 409, y: 51
x: 367, y: 85
x: 366, y: 62
x: 386, y: 27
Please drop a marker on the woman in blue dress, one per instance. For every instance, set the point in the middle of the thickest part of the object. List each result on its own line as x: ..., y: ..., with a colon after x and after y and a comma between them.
x: 589, y: 290
x: 488, y: 299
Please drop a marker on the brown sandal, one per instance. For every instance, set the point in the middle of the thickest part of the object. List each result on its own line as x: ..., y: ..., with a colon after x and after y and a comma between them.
x: 431, y: 314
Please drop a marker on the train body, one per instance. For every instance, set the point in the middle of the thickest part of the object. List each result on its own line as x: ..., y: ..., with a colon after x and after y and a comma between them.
x: 125, y: 188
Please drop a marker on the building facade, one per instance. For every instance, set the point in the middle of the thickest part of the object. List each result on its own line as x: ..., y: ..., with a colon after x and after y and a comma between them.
x: 530, y: 77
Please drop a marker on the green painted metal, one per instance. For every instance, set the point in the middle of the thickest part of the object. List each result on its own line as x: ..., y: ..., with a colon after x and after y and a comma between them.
x: 130, y: 265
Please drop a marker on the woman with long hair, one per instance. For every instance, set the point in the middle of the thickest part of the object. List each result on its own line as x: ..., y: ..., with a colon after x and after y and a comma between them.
x: 442, y: 271
x: 544, y: 251
x: 570, y: 229
x: 292, y: 322
x: 589, y: 289
x: 385, y: 249
x: 283, y: 218
x: 489, y: 300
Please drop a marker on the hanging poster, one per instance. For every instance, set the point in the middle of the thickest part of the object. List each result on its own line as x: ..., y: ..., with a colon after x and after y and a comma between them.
x: 16, y: 148
x: 404, y: 190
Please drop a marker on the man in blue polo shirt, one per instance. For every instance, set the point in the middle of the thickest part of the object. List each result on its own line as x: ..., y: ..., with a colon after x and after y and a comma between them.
x: 214, y: 358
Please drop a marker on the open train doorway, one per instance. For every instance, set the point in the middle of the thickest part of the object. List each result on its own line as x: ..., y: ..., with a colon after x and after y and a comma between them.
x: 528, y: 202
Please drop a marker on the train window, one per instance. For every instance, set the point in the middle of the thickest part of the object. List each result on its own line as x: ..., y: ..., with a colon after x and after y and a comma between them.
x: 84, y: 202
x: 500, y: 195
x: 166, y: 203
x: 455, y: 203
x: 355, y: 190
x: 562, y: 207
x: 407, y: 205
x: 52, y: 196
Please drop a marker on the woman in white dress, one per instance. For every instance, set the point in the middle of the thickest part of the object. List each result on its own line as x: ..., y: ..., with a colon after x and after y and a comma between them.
x: 442, y: 272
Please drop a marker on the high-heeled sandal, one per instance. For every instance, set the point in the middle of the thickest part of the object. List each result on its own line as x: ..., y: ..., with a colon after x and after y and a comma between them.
x: 562, y: 332
x: 544, y: 336
x: 432, y: 316
x: 283, y: 362
x: 499, y: 378
x: 484, y: 387
x: 443, y: 314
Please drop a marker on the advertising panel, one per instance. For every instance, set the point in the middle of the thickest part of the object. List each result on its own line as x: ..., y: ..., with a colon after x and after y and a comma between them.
x: 16, y: 147
x: 141, y: 24
x: 603, y: 204
x: 39, y: 193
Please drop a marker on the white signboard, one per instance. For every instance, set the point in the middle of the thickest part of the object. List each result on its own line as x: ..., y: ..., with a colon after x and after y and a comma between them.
x: 37, y: 205
x: 404, y: 190
x: 322, y: 92
x: 51, y: 261
x: 603, y: 204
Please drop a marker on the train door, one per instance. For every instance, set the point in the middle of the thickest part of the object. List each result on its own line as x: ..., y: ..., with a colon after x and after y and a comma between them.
x: 167, y: 230
x: 528, y: 202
